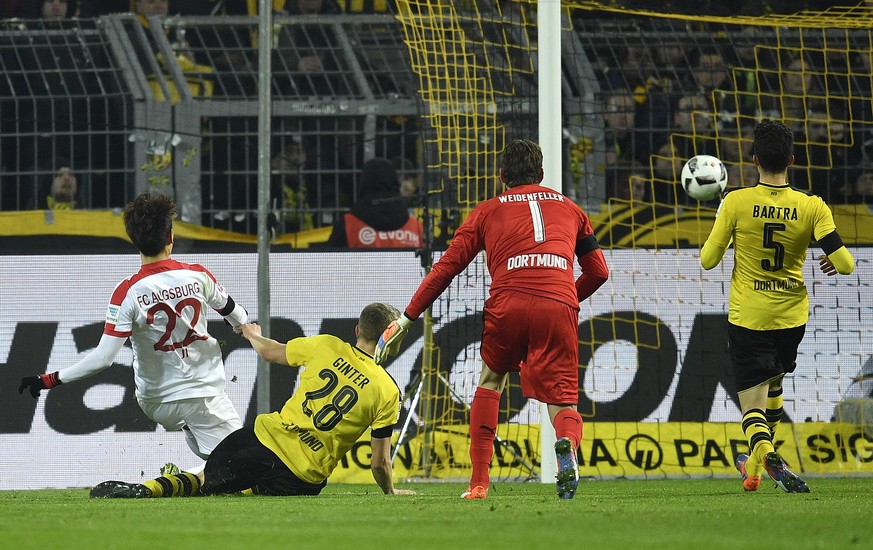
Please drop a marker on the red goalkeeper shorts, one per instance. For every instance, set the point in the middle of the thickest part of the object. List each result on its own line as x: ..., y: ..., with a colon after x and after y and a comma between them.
x: 538, y: 337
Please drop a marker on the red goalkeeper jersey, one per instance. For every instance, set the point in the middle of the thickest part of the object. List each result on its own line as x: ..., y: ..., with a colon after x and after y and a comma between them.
x: 530, y: 234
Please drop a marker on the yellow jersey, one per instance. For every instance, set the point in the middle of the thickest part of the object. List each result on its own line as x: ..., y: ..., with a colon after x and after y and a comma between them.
x: 341, y: 392
x: 771, y: 227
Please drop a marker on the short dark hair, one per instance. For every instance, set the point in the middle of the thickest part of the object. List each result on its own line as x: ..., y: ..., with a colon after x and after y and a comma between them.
x: 149, y: 222
x: 374, y: 319
x: 774, y: 145
x: 522, y: 162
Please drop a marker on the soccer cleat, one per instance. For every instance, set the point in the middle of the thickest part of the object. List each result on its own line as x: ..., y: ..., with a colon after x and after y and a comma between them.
x: 784, y: 478
x: 750, y: 483
x: 170, y: 469
x: 120, y: 489
x: 475, y: 493
x: 567, y: 478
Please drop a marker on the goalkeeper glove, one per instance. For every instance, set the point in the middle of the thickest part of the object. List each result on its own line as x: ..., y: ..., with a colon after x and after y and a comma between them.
x: 39, y: 382
x: 389, y: 342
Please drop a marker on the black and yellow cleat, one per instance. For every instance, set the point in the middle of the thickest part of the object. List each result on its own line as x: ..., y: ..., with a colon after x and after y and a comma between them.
x: 120, y: 489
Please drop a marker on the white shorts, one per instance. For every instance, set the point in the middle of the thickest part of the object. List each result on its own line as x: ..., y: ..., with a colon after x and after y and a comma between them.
x: 206, y: 420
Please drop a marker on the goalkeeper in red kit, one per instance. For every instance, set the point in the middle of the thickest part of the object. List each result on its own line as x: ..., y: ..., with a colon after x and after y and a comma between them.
x: 530, y: 235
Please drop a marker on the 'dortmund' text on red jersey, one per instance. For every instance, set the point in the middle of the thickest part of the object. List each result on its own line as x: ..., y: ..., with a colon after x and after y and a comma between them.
x: 530, y: 234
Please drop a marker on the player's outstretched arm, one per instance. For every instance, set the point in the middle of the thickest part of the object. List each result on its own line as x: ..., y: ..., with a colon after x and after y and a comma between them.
x: 380, y: 464
x: 97, y: 360
x: 269, y: 349
x: 234, y: 315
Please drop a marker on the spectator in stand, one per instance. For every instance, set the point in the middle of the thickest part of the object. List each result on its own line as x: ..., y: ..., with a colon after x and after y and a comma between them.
x: 630, y: 182
x: 230, y: 50
x: 800, y: 89
x: 735, y: 150
x: 48, y: 9
x: 666, y: 167
x: 831, y: 155
x: 309, y: 51
x: 735, y: 146
x: 744, y: 174
x: 649, y: 98
x: 756, y: 70
x: 379, y: 218
x: 692, y: 128
x: 844, y: 66
x: 711, y: 76
x: 619, y: 109
x: 650, y: 91
x: 861, y: 189
x: 409, y: 179
x: 288, y: 189
x: 673, y: 60
x: 691, y: 134
x: 58, y: 190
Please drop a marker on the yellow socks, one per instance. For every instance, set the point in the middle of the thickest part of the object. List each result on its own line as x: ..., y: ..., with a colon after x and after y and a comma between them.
x: 760, y: 441
x: 774, y: 410
x: 180, y: 485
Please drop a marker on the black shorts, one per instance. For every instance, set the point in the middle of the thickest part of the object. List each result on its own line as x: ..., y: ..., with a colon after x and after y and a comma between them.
x: 762, y: 355
x: 242, y: 462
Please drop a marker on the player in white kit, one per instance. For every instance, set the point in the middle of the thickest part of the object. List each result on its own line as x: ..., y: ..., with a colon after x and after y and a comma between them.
x: 177, y: 366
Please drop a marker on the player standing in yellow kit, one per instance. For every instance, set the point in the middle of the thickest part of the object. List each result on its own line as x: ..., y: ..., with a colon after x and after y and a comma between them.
x: 771, y: 226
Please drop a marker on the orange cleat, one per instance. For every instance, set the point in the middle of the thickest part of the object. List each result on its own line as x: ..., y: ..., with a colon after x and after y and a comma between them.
x: 750, y: 483
x: 475, y: 493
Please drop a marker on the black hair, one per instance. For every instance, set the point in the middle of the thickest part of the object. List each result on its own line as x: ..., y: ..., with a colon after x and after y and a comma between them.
x: 149, y: 222
x: 378, y: 176
x: 774, y: 145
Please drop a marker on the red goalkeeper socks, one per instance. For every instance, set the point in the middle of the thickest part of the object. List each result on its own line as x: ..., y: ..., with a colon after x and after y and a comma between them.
x: 483, y: 428
x: 568, y: 423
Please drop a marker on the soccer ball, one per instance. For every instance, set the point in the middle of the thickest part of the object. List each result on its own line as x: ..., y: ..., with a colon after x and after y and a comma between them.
x: 704, y: 177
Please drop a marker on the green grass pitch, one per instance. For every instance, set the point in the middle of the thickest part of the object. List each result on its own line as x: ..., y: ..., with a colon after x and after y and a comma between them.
x: 623, y: 514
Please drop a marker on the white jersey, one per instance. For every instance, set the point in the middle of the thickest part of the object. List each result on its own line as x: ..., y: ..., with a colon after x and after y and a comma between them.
x: 161, y: 310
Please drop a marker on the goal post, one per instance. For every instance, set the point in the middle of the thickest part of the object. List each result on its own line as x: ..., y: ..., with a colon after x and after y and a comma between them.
x: 550, y: 138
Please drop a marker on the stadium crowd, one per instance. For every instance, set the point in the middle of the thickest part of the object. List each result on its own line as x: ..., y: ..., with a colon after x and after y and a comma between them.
x: 668, y: 89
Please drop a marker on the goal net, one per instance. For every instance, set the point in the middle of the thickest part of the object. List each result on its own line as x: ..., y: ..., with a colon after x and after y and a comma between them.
x: 641, y: 93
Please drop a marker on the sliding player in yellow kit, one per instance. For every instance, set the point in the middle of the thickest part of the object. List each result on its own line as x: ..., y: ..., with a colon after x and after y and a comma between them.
x: 771, y: 226
x: 340, y: 393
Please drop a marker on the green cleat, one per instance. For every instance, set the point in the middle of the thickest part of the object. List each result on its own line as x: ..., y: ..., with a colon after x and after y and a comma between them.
x: 170, y: 469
